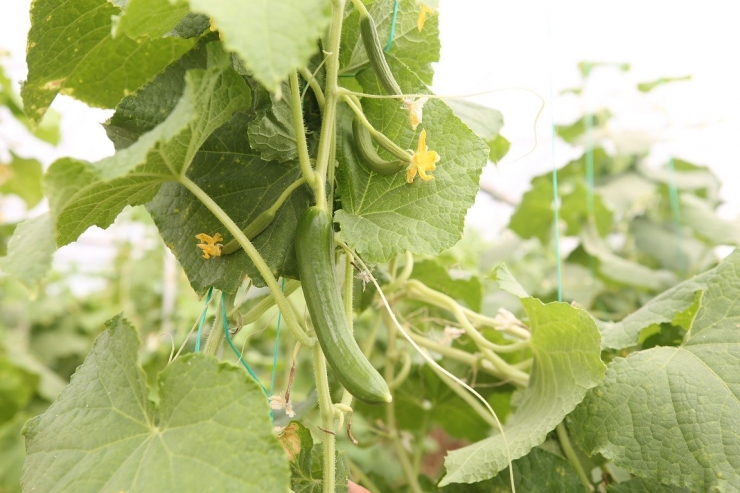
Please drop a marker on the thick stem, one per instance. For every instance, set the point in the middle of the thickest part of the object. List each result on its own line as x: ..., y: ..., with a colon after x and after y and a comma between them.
x: 260, y: 308
x: 570, y: 454
x: 326, y: 409
x: 256, y: 258
x: 300, y: 133
x: 314, y: 85
x: 330, y: 105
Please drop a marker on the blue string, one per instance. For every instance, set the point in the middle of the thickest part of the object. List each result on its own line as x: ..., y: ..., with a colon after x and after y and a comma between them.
x: 676, y: 210
x: 275, y: 351
x: 393, y: 27
x: 225, y: 322
x: 199, y: 336
x: 555, y: 193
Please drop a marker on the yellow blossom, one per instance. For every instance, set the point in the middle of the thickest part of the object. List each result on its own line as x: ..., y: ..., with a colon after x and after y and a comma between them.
x: 425, y: 10
x: 210, y: 245
x: 415, y: 109
x: 422, y: 161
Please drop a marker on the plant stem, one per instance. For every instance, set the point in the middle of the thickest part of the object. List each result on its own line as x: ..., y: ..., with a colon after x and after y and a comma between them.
x: 256, y: 258
x: 314, y: 84
x: 326, y: 409
x: 216, y: 336
x: 300, y: 133
x: 467, y: 397
x: 330, y: 105
x: 260, y: 308
x: 570, y: 453
x: 391, y: 355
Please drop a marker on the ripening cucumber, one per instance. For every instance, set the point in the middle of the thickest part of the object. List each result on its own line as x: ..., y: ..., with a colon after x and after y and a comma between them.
x: 375, y: 54
x: 315, y: 254
x: 368, y: 154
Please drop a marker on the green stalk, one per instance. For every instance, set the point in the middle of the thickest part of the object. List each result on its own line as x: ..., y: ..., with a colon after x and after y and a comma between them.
x: 571, y: 455
x: 326, y: 409
x: 300, y: 133
x: 216, y: 336
x: 330, y: 106
x: 256, y: 258
x: 260, y: 308
x: 314, y: 85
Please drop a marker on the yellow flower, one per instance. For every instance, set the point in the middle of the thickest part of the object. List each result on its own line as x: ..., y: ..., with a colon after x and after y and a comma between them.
x: 415, y: 109
x: 422, y: 161
x: 425, y: 10
x: 210, y: 245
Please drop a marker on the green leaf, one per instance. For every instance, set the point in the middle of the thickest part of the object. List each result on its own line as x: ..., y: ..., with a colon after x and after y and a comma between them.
x: 642, y: 485
x: 699, y: 216
x: 17, y: 386
x: 573, y: 132
x: 12, y: 454
x: 417, y: 50
x: 671, y: 414
x: 272, y: 133
x: 210, y: 431
x: 152, y: 18
x: 22, y: 177
x: 486, y: 123
x: 30, y: 251
x: 382, y: 215
x: 685, y: 177
x: 271, y: 38
x: 537, y: 472
x: 649, y: 86
x: 435, y: 275
x: 83, y: 194
x: 71, y: 50
x: 662, y: 309
x: 566, y: 348
x: 507, y: 281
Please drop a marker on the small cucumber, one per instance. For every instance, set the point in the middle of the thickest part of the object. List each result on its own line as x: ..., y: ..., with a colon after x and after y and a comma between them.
x: 253, y: 229
x: 376, y: 56
x: 368, y: 154
x: 315, y: 254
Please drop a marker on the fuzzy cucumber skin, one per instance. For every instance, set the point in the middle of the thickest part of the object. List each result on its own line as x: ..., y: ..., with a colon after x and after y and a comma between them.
x: 315, y: 252
x: 368, y: 154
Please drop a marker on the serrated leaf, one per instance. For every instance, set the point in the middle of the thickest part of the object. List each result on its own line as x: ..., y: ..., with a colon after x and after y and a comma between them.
x: 699, y: 216
x: 566, y: 348
x: 271, y: 38
x: 306, y: 461
x: 537, y: 472
x: 83, y: 194
x: 30, y: 251
x: 417, y: 50
x: 486, y: 123
x: 672, y: 414
x: 382, y: 215
x: 499, y: 147
x: 71, y: 50
x: 152, y: 18
x: 642, y: 485
x: 272, y: 133
x: 507, y: 281
x: 22, y: 177
x: 435, y: 275
x: 661, y: 309
x: 104, y: 435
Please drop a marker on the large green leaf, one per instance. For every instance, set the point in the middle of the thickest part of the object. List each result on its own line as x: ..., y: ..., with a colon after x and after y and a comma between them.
x: 30, y: 251
x: 272, y: 133
x: 672, y: 414
x: 566, y: 348
x: 485, y: 122
x: 382, y: 215
x: 435, y: 275
x: 83, y: 194
x: 699, y: 216
x: 71, y: 50
x: 417, y: 50
x: 12, y: 454
x: 17, y: 386
x: 537, y: 472
x: 641, y: 485
x: 272, y: 38
x: 153, y: 18
x: 210, y: 431
x: 22, y: 177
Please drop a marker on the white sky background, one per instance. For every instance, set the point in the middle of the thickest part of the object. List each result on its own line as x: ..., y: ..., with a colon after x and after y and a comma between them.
x: 512, y: 46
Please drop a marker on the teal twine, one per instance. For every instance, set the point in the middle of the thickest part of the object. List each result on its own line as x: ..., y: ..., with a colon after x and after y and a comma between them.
x: 676, y: 211
x: 225, y: 322
x: 555, y: 192
x: 275, y: 351
x: 393, y: 27
x: 590, y: 171
x: 199, y: 336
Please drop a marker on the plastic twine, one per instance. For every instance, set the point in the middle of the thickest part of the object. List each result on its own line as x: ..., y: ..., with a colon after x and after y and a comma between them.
x: 676, y: 212
x: 199, y: 335
x: 225, y: 323
x: 393, y: 27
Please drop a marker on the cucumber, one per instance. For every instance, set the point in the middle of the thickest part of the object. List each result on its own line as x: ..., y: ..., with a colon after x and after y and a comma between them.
x: 376, y: 56
x: 315, y: 253
x: 368, y: 154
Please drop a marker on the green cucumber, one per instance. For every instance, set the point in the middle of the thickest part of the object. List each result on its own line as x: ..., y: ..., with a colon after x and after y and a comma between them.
x: 315, y: 253
x: 368, y: 154
x: 375, y: 54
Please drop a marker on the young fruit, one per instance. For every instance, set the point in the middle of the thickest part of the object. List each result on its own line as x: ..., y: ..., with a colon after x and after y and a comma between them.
x: 368, y: 154
x: 315, y: 252
x: 376, y: 56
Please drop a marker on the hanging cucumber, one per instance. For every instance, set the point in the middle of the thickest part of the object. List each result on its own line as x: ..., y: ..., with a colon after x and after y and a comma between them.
x: 315, y: 253
x: 368, y: 154
x: 376, y: 56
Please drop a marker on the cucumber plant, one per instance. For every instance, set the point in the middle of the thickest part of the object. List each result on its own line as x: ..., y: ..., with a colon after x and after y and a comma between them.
x: 316, y: 148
